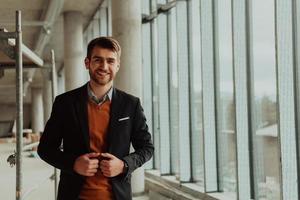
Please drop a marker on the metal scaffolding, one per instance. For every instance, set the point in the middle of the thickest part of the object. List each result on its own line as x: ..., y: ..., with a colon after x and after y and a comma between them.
x: 15, y: 50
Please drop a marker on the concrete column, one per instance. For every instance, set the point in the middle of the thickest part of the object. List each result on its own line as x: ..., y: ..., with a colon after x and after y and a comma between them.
x: 47, y: 94
x: 126, y: 28
x: 37, y: 117
x: 73, y: 50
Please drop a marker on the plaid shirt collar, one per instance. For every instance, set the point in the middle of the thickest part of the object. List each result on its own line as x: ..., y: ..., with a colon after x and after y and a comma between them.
x: 95, y: 99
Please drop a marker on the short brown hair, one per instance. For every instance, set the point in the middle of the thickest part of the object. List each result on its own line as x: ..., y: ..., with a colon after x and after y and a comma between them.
x: 106, y: 43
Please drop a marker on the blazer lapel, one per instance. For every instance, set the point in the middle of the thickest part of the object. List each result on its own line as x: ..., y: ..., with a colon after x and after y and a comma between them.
x: 81, y: 109
x: 116, y: 105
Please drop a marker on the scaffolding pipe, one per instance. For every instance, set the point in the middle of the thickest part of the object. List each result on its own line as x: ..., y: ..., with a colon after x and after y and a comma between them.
x: 54, y: 92
x: 53, y: 76
x: 19, y: 92
x: 18, y: 49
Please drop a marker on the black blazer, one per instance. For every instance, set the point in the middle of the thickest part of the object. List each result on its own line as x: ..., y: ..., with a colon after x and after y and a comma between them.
x: 66, y: 136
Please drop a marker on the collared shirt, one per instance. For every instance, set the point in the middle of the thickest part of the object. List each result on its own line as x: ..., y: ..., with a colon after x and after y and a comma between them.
x: 95, y: 99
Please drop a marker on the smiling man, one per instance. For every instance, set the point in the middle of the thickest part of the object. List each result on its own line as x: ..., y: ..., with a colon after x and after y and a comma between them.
x: 94, y: 125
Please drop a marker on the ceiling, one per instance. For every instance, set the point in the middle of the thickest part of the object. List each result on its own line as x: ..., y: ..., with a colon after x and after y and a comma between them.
x: 33, y: 15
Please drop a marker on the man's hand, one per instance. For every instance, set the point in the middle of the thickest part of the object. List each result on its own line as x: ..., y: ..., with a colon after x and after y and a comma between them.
x: 87, y: 164
x: 111, y: 166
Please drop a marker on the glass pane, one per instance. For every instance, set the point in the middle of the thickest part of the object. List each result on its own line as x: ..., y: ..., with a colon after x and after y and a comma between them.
x: 147, y: 76
x: 155, y: 107
x: 226, y: 110
x: 183, y: 91
x: 163, y: 91
x: 173, y: 89
x: 265, y: 138
x: 196, y: 93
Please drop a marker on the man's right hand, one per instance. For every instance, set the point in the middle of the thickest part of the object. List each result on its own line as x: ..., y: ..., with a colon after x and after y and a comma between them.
x: 87, y: 164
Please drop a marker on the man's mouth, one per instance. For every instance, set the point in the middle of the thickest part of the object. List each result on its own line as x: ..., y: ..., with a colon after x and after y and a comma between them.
x: 101, y: 73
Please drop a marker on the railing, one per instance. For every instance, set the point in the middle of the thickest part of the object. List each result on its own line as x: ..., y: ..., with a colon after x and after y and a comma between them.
x: 15, y: 50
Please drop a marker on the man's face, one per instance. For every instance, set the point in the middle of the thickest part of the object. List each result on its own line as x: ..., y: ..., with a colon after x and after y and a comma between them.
x: 103, y: 65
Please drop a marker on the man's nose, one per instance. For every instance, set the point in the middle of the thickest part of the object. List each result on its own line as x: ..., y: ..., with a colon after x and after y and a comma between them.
x: 104, y: 65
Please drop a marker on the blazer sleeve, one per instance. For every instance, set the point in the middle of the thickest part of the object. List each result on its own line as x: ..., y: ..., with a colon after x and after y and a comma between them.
x: 49, y: 147
x: 141, y: 142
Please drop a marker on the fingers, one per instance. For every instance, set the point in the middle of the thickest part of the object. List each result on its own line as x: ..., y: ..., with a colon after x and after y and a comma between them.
x: 106, y: 172
x: 112, y: 166
x: 104, y: 165
x: 106, y: 168
x: 92, y: 155
x: 90, y: 174
x: 87, y: 164
x: 93, y: 161
x: 92, y: 170
x: 93, y: 166
x: 107, y: 155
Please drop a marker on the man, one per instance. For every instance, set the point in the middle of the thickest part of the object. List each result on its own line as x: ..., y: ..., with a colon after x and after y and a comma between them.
x: 90, y: 129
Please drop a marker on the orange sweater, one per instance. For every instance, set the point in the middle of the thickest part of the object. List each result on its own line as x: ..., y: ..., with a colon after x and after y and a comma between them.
x: 97, y: 187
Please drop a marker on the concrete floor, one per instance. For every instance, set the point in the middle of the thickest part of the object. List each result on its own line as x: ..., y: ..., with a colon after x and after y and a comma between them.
x: 35, y: 172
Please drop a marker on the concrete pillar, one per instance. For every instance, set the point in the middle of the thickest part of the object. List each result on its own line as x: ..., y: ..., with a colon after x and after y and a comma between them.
x: 73, y: 50
x: 47, y: 94
x: 37, y: 117
x: 126, y: 28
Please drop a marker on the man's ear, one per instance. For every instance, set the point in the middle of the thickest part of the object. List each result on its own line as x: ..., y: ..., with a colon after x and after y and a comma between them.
x: 87, y: 63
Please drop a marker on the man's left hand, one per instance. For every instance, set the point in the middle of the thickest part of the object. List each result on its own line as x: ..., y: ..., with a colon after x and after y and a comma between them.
x: 111, y: 165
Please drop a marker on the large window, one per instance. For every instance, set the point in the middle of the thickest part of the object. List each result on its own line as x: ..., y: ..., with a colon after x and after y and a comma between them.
x: 265, y: 134
x: 226, y: 105
x: 195, y: 92
x: 223, y: 94
x: 173, y: 89
x: 147, y: 73
x: 163, y: 90
x: 155, y: 87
